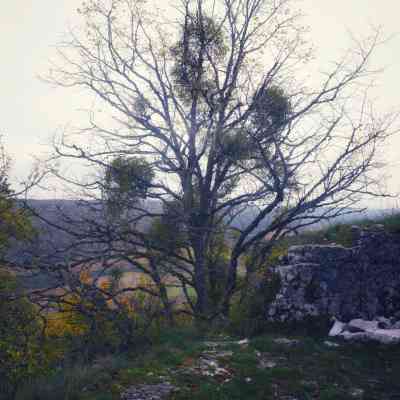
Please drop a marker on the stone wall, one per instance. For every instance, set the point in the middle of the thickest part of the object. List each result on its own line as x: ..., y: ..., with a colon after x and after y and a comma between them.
x: 331, y: 280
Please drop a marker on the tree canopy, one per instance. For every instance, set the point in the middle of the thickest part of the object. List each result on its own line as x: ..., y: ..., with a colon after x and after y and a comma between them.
x: 208, y: 116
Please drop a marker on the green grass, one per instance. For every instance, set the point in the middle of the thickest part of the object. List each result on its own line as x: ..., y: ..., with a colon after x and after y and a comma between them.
x: 310, y: 370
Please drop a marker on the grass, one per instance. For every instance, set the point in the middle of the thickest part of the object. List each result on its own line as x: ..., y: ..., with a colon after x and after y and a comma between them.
x: 310, y: 370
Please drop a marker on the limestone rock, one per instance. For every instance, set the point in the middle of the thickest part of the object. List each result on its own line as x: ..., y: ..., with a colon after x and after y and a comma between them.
x: 385, y: 336
x: 369, y: 331
x: 287, y: 342
x: 356, y: 337
x: 331, y: 344
x: 384, y: 323
x: 362, y: 282
x: 362, y: 325
x: 337, y: 328
x: 263, y: 364
x: 357, y: 393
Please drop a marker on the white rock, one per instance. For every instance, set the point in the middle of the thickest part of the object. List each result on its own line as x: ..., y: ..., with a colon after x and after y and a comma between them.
x: 331, y: 344
x: 384, y: 323
x: 355, y: 337
x: 270, y: 364
x: 357, y: 393
x: 286, y: 342
x: 337, y: 328
x: 366, y: 326
x: 386, y: 336
x: 263, y: 364
x: 222, y: 371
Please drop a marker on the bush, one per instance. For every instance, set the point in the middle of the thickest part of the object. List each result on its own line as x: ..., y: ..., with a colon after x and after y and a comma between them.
x: 247, y: 316
x: 21, y: 351
x: 89, y: 327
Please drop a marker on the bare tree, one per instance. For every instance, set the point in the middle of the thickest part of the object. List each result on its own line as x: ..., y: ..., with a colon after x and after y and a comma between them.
x: 208, y: 121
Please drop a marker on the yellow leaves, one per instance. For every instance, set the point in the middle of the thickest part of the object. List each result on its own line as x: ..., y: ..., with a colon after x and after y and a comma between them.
x: 84, y: 276
x: 68, y: 321
x: 64, y: 324
x: 105, y: 285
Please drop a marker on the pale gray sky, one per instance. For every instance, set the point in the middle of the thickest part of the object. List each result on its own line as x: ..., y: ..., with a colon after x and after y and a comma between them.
x: 31, y: 111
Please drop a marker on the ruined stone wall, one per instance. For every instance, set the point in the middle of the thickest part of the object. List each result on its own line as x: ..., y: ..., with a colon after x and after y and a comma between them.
x: 331, y: 280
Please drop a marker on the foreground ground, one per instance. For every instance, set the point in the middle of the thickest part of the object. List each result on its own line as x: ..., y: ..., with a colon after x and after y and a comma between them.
x: 219, y: 368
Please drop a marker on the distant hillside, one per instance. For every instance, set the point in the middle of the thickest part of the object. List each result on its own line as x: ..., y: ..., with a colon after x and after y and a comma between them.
x: 55, y: 244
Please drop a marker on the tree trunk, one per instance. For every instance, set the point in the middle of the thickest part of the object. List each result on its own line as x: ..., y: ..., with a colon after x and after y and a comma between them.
x: 200, y: 277
x: 230, y: 287
x: 163, y: 293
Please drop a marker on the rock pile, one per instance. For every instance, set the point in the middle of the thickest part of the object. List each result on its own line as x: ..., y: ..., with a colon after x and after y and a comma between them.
x: 381, y: 330
x: 347, y: 283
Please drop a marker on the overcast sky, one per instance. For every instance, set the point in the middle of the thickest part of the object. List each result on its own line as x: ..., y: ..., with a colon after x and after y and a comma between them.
x: 31, y: 111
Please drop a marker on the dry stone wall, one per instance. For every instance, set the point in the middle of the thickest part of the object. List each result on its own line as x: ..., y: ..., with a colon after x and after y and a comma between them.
x: 334, y: 281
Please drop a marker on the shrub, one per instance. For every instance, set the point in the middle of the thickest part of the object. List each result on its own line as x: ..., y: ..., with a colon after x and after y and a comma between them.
x: 21, y: 352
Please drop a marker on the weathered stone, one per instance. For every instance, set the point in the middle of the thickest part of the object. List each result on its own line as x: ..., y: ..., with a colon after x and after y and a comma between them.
x: 369, y: 331
x: 263, y: 364
x: 356, y: 337
x: 331, y: 344
x: 337, y: 328
x: 243, y: 342
x: 354, y: 329
x: 362, y: 325
x: 357, y: 393
x: 287, y: 342
x: 385, y: 336
x: 362, y: 282
x: 384, y: 323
